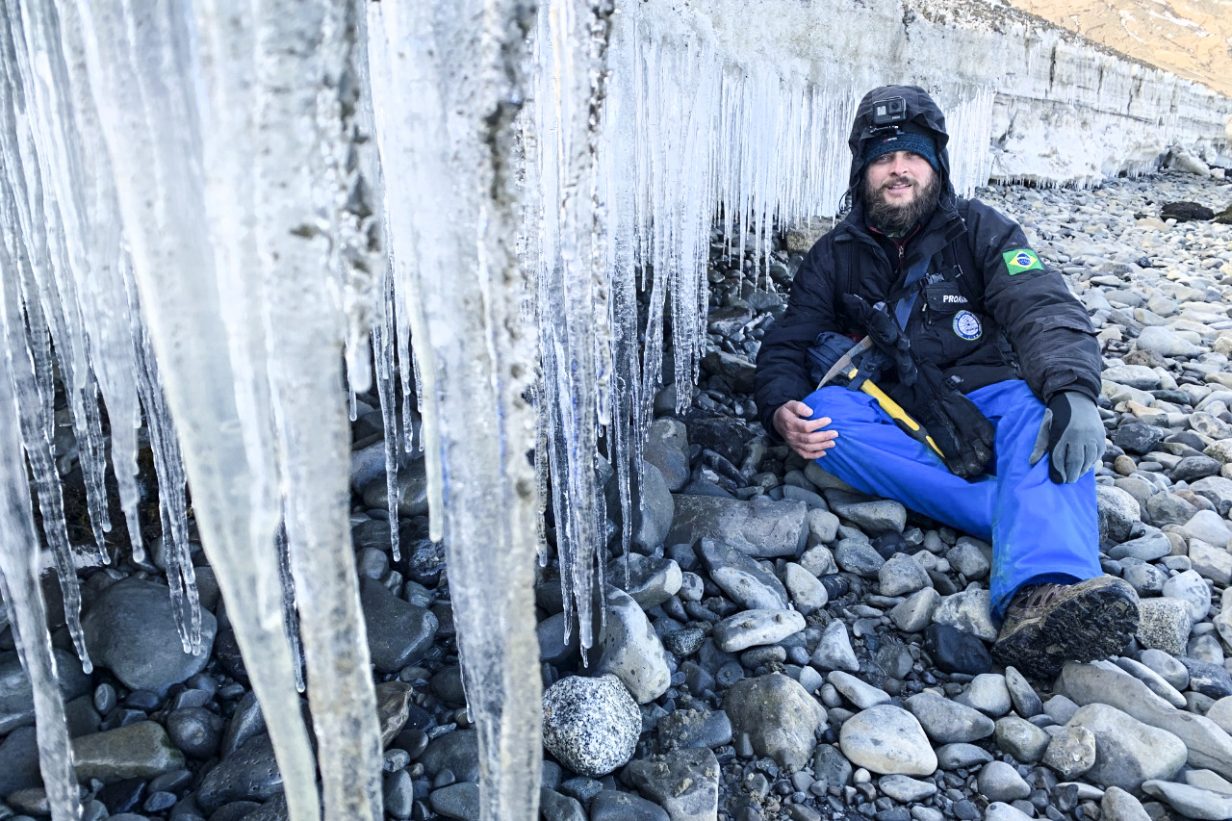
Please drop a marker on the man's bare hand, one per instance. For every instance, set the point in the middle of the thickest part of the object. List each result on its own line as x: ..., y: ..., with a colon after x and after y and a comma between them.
x: 805, y: 436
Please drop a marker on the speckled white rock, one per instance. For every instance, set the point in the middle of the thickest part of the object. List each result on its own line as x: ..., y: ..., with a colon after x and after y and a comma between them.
x: 590, y: 725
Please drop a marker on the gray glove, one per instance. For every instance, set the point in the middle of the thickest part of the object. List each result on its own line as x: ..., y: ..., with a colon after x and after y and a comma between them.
x: 1073, y: 433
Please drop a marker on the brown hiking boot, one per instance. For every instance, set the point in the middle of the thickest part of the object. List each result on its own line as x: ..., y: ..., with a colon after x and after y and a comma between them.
x: 1047, y: 625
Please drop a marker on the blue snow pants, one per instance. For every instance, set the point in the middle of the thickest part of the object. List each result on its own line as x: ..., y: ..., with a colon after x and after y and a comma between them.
x: 1040, y: 531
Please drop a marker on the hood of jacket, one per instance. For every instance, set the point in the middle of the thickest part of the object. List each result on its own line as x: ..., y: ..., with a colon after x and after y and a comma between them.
x: 921, y: 111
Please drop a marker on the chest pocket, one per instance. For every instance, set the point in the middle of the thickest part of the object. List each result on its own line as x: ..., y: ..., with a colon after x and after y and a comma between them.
x: 953, y: 324
x: 945, y: 297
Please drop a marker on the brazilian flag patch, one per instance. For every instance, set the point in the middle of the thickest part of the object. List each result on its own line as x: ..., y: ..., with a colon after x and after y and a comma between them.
x: 1019, y: 260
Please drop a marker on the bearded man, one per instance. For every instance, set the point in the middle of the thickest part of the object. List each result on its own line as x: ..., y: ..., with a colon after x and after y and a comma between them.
x: 981, y: 363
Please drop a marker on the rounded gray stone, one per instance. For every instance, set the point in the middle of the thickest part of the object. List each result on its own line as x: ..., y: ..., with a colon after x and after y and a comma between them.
x: 834, y: 651
x: 130, y: 629
x: 755, y: 628
x: 1128, y: 752
x: 1021, y: 739
x: 987, y: 693
x: 1118, y: 805
x: 779, y: 717
x: 887, y: 740
x: 902, y: 574
x: 947, y: 721
x: 632, y: 651
x: 999, y: 781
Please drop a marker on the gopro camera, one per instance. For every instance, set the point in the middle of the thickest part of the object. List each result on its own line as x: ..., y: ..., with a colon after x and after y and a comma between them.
x: 890, y: 111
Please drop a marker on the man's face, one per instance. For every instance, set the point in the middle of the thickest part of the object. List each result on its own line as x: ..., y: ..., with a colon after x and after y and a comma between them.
x: 900, y: 188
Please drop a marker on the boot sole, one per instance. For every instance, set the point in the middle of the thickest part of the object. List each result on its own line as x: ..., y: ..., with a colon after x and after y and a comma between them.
x: 1087, y: 627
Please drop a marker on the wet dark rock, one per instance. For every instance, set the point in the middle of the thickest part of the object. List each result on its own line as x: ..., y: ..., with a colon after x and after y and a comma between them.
x: 81, y: 717
x: 553, y: 649
x: 458, y: 801
x: 1185, y: 211
x: 447, y: 685
x: 694, y: 728
x: 615, y: 805
x: 130, y: 629
x: 1138, y: 437
x: 399, y: 794
x: 399, y: 633
x: 684, y: 782
x: 1208, y: 679
x: 195, y: 731
x: 19, y: 754
x: 140, y: 750
x: 246, y: 723
x: 956, y: 651
x: 17, y: 697
x: 122, y: 796
x: 725, y: 435
x: 250, y: 773
x: 235, y: 811
x: 457, y: 752
x: 273, y: 810
x: 556, y: 807
x: 227, y: 654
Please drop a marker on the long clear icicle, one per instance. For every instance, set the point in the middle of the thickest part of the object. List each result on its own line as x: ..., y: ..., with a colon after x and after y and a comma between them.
x: 28, y: 352
x: 144, y: 72
x: 19, y: 583
x: 447, y: 83
x: 172, y: 499
x: 309, y: 236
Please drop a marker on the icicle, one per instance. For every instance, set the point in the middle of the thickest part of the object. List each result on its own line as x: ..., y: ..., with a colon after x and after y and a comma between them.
x: 288, y: 608
x: 169, y: 473
x: 446, y: 85
x: 28, y: 352
x: 382, y: 345
x: 308, y: 214
x: 19, y: 585
x: 143, y: 76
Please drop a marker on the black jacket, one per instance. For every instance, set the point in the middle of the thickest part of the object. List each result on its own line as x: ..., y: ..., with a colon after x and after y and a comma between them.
x: 972, y: 316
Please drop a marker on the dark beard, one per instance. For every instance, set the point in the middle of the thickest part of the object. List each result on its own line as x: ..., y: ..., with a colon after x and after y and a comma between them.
x: 896, y: 220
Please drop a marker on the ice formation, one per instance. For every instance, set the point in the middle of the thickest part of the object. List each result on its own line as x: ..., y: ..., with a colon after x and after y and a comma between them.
x: 207, y: 206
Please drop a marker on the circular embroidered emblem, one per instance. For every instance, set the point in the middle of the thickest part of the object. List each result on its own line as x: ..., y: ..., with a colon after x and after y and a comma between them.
x: 1024, y: 259
x: 967, y: 326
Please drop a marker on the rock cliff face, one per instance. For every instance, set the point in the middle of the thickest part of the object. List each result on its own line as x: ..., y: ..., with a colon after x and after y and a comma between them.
x: 1025, y: 100
x: 1192, y: 38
